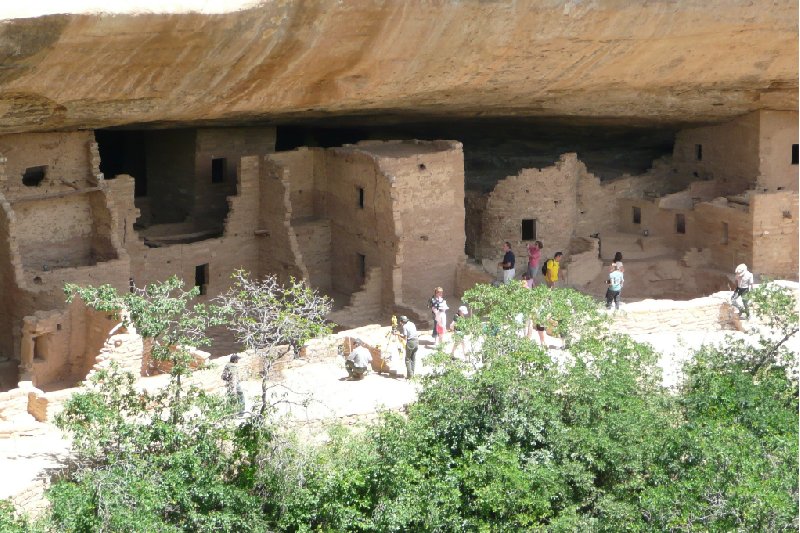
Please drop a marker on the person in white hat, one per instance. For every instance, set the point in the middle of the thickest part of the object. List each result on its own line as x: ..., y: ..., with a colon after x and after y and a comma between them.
x: 744, y: 282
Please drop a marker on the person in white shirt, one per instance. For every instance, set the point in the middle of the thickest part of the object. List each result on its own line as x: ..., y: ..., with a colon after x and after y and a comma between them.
x: 358, y: 362
x: 744, y: 282
x: 412, y: 345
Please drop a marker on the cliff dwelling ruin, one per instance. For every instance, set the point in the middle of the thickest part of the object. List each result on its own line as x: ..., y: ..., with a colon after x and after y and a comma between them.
x: 131, y: 154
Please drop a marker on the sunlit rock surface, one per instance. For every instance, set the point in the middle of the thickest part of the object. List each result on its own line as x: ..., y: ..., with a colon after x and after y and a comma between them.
x: 641, y: 62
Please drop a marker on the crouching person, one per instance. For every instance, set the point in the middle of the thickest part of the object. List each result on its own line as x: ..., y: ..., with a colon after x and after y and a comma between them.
x: 358, y: 362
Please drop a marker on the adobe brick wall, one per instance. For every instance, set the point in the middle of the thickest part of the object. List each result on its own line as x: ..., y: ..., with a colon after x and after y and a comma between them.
x: 9, y: 270
x: 778, y: 131
x: 565, y: 200
x: 66, y: 155
x: 210, y: 199
x: 775, y: 234
x: 279, y: 252
x: 427, y: 182
x: 729, y: 153
x: 547, y: 195
x: 368, y: 231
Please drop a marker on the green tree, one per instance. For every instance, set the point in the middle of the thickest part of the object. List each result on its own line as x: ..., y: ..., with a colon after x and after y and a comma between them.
x: 137, y: 467
x: 9, y: 521
x: 264, y: 315
x: 732, y: 465
x: 162, y: 315
x: 584, y: 438
x: 589, y: 440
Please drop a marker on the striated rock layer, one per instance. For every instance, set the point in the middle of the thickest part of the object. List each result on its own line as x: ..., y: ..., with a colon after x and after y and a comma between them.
x: 679, y: 60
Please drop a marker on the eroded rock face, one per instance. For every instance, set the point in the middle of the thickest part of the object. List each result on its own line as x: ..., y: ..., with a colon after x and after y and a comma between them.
x: 657, y: 61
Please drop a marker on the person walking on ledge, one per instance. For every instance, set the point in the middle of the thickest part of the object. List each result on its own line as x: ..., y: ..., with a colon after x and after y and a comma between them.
x: 744, y: 282
x: 615, y: 281
x: 507, y: 264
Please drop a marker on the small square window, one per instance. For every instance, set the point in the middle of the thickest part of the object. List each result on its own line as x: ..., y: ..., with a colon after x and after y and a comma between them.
x: 361, y: 197
x: 529, y: 229
x: 698, y: 152
x: 219, y: 167
x: 34, y: 176
x: 680, y: 223
x: 724, y: 233
x: 637, y: 215
x: 201, y: 277
x: 795, y: 155
x: 362, y: 265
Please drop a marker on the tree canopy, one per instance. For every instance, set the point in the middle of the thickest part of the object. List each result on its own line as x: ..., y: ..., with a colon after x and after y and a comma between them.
x: 511, y: 439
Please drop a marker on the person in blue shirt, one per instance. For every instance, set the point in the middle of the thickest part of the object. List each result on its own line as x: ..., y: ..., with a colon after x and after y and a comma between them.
x: 615, y: 282
x: 507, y: 264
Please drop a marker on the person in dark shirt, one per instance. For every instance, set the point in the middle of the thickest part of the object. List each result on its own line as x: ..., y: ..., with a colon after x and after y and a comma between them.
x: 507, y: 264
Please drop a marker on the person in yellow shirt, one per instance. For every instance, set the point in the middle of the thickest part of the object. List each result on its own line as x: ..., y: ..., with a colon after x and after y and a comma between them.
x: 551, y: 270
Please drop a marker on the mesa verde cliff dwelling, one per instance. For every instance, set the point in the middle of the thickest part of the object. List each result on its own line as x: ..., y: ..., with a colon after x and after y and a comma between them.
x: 380, y: 150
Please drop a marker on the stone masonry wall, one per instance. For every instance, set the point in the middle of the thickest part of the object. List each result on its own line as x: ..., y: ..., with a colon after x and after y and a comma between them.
x: 428, y: 210
x: 279, y: 252
x: 55, y: 233
x: 10, y: 269
x: 729, y: 153
x: 210, y: 205
x: 778, y: 132
x: 66, y: 156
x: 599, y: 202
x: 366, y: 231
x: 546, y: 195
x: 237, y: 248
x: 311, y: 232
x: 775, y: 234
x: 314, y: 239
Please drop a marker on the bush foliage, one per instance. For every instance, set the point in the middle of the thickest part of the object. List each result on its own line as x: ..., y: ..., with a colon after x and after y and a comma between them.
x: 508, y: 440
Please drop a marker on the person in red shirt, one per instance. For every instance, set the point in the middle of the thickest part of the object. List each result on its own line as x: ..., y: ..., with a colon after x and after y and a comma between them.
x: 534, y: 256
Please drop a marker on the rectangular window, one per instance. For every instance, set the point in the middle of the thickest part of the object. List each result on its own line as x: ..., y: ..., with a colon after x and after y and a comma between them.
x: 724, y: 233
x: 795, y: 155
x: 637, y: 215
x: 201, y: 277
x: 698, y: 152
x: 680, y: 223
x: 34, y: 176
x: 528, y: 229
x: 362, y: 265
x: 361, y: 197
x: 219, y: 168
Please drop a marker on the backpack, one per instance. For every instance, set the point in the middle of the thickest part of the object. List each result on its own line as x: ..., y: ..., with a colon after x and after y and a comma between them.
x: 544, y: 267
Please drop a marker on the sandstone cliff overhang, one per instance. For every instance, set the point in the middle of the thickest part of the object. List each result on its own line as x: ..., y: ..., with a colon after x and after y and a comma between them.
x: 652, y: 62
